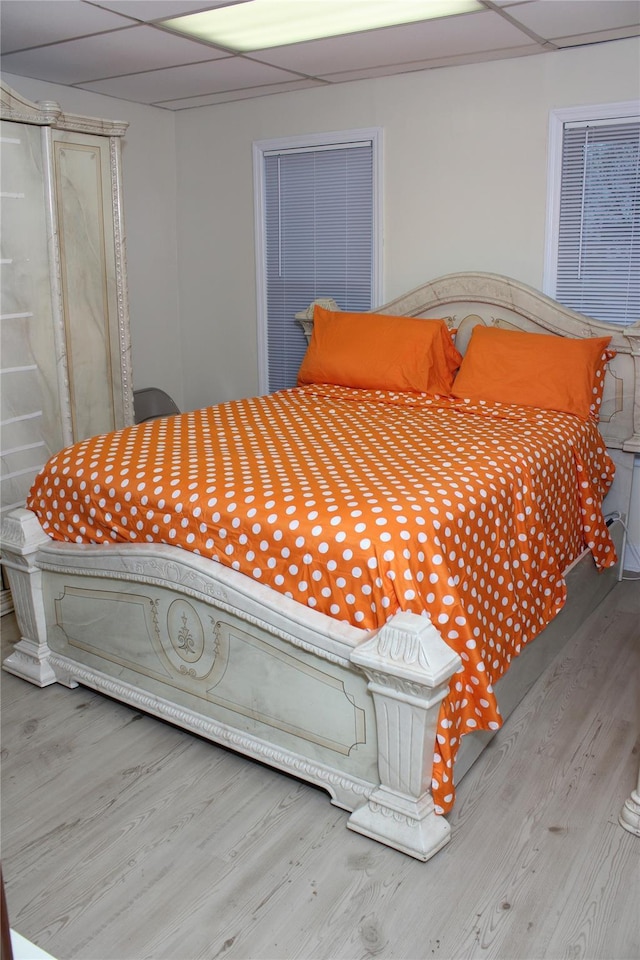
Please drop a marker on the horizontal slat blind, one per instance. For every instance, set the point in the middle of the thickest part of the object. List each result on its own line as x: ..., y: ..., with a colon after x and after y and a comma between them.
x: 319, y: 242
x: 598, y: 268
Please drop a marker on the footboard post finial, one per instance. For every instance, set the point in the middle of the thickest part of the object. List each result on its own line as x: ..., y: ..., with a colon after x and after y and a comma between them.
x: 21, y: 537
x: 409, y: 668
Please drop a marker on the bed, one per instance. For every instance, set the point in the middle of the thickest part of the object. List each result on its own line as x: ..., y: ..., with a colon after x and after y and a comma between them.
x: 380, y: 674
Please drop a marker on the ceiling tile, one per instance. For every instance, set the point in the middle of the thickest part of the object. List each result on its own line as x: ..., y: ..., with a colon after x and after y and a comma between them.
x: 617, y: 33
x: 189, y: 81
x: 133, y: 50
x: 467, y: 33
x: 29, y: 23
x: 568, y: 18
x: 417, y: 65
x: 248, y: 93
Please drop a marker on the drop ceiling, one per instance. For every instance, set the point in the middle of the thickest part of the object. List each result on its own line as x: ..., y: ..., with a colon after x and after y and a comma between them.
x: 119, y: 48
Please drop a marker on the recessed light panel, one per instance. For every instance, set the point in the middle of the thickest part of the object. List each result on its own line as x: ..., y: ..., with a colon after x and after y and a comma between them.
x: 258, y: 24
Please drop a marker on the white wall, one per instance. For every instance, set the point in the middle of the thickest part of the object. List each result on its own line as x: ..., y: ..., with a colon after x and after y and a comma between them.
x: 465, y: 181
x: 149, y: 187
x: 465, y: 168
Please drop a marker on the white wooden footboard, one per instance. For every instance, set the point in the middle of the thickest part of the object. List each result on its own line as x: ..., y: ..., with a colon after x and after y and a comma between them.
x: 195, y: 643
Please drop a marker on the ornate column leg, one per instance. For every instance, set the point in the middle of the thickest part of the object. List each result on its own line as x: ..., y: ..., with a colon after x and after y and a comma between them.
x: 630, y: 813
x: 409, y: 667
x: 21, y: 538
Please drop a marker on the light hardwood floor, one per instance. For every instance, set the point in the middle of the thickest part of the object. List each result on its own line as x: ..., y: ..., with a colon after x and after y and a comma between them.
x: 126, y: 839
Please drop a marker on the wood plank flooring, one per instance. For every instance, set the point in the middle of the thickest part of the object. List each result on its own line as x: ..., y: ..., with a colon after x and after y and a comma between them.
x: 126, y: 839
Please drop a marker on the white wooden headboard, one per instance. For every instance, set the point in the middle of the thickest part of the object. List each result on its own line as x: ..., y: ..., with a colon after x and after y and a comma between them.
x: 466, y: 299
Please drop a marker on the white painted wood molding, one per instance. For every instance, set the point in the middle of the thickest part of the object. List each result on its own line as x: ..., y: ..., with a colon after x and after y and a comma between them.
x: 409, y: 667
x: 22, y: 537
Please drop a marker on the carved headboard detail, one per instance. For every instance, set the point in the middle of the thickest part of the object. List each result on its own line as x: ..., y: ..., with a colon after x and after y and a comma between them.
x: 466, y: 299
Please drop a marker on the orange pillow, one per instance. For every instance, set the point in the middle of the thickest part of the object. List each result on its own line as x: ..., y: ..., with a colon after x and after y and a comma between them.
x: 533, y: 370
x: 598, y: 389
x: 374, y: 351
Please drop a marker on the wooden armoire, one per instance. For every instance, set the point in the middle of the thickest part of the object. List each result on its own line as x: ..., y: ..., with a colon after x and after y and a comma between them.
x: 66, y: 355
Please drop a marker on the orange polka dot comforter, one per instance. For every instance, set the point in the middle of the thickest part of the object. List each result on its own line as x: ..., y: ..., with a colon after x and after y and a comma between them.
x: 359, y: 504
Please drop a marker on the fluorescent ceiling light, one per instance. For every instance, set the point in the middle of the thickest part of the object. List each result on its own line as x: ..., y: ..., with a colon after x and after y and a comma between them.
x: 258, y: 24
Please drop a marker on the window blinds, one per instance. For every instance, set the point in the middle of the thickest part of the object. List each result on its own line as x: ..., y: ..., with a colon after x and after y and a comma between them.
x: 319, y: 242
x: 598, y: 266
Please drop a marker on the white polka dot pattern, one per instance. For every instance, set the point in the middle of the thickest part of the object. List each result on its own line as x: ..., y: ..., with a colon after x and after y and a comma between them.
x: 359, y: 504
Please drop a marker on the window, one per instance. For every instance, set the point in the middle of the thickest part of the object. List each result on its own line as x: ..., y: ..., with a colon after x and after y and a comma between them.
x: 317, y: 235
x: 593, y: 232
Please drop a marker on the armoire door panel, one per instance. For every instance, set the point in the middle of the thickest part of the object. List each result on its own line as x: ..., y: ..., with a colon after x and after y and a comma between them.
x: 66, y: 354
x: 30, y: 383
x: 87, y: 274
